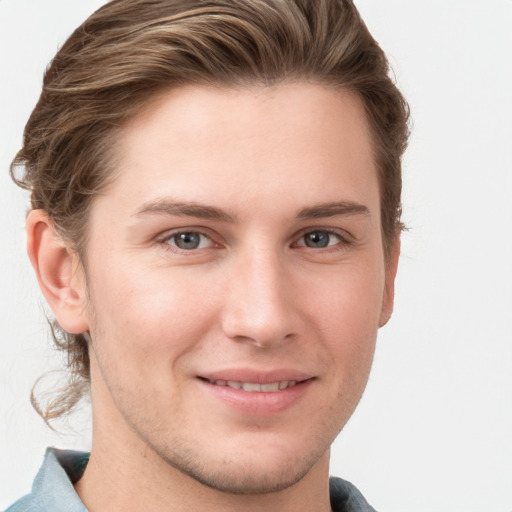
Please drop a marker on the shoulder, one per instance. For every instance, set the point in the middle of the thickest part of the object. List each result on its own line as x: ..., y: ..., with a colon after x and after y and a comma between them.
x: 52, y: 490
x: 25, y: 504
x: 345, y: 497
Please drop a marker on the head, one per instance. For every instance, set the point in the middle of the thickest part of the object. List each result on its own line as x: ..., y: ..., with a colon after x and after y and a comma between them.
x: 134, y: 58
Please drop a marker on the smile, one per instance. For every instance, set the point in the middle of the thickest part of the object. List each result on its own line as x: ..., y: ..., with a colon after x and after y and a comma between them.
x: 253, y: 387
x: 247, y: 394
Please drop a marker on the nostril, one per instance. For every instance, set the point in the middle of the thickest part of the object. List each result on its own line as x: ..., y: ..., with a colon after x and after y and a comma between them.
x: 264, y: 340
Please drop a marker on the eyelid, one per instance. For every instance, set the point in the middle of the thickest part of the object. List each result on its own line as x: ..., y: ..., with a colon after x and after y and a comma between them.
x: 345, y: 239
x: 163, y: 238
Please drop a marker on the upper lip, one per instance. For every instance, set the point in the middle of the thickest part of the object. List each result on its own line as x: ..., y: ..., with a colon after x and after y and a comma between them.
x: 256, y: 376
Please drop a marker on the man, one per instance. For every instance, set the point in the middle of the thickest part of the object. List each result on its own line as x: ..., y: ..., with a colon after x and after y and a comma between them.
x: 215, y: 225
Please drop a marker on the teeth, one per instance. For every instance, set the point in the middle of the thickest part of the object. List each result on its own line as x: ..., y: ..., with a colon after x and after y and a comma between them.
x: 270, y: 387
x: 253, y: 387
x: 248, y: 386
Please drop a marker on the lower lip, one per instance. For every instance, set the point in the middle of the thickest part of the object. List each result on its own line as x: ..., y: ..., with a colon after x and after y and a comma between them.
x: 259, y: 403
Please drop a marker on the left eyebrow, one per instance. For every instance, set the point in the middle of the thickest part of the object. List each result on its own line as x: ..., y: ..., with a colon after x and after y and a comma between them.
x: 185, y: 209
x: 345, y: 208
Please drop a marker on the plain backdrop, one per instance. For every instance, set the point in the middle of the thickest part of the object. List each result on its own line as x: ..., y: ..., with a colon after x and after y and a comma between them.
x: 433, y: 432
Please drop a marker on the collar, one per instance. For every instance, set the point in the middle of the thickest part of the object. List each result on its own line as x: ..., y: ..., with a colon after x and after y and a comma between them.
x: 53, y: 486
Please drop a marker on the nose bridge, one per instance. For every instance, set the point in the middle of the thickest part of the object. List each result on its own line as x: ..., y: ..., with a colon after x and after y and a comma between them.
x: 258, y: 306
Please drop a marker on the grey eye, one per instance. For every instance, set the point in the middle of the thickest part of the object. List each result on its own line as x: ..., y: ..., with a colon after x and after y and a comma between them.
x: 187, y: 241
x: 320, y: 239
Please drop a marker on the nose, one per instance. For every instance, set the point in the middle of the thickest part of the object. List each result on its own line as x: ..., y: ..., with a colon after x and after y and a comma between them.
x: 259, y: 306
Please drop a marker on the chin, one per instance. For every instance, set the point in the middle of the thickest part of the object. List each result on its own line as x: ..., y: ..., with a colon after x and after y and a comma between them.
x: 246, y: 479
x: 249, y: 471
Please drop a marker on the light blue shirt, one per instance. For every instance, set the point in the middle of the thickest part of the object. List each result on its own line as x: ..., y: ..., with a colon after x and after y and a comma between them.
x: 53, y: 491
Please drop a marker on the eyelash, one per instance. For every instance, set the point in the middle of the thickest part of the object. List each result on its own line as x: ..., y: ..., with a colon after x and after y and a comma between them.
x: 165, y: 241
x: 343, y: 241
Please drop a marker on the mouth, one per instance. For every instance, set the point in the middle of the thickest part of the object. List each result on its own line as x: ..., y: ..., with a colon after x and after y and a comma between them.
x: 254, y: 387
x: 256, y: 393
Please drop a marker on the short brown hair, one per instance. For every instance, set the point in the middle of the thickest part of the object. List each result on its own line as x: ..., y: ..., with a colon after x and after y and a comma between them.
x: 129, y: 50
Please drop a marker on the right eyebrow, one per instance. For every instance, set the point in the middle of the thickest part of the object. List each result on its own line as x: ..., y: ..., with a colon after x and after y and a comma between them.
x: 185, y: 209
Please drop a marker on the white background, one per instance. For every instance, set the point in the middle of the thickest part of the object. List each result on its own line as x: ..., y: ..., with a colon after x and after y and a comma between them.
x: 434, y: 430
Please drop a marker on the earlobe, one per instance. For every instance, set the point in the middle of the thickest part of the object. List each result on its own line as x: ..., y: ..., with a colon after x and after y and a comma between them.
x: 389, y: 287
x: 58, y: 272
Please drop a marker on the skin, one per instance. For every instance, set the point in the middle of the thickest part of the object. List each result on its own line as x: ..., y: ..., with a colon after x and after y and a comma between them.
x: 259, y: 175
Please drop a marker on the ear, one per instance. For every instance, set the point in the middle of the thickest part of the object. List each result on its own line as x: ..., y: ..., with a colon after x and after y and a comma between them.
x: 389, y: 286
x: 59, y: 272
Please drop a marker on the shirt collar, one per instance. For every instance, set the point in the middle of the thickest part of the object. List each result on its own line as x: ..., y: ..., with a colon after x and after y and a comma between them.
x: 53, y: 486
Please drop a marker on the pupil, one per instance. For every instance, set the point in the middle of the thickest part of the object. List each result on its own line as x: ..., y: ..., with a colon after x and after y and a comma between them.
x: 317, y: 239
x: 187, y: 240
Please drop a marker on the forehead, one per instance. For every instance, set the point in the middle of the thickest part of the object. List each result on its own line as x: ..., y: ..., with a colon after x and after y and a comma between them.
x: 246, y: 146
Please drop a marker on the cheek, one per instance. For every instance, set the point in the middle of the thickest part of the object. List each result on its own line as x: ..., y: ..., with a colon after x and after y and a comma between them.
x: 346, y: 313
x: 153, y: 316
x: 350, y: 300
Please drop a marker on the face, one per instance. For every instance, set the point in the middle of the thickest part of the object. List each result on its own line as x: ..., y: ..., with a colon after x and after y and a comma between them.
x: 236, y: 281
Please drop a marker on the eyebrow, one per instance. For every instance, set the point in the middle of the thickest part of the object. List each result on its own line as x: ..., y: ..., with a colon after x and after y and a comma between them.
x: 202, y: 211
x: 185, y: 209
x: 346, y: 208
